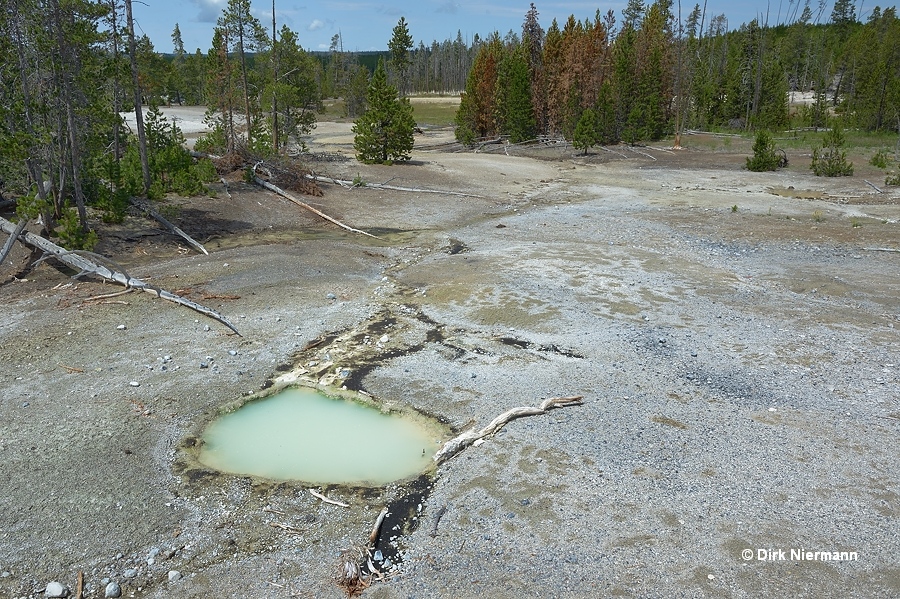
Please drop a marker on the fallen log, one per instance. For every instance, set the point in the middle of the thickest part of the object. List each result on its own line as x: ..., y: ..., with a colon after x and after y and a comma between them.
x: 284, y: 194
x: 882, y: 249
x: 85, y: 265
x: 872, y: 185
x: 346, y: 183
x: 326, y: 500
x: 147, y: 209
x: 457, y: 444
x: 12, y: 239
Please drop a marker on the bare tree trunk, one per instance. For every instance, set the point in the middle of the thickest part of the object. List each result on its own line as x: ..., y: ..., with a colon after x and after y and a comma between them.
x: 74, y: 141
x: 138, y: 110
x: 244, y: 82
x: 274, y: 83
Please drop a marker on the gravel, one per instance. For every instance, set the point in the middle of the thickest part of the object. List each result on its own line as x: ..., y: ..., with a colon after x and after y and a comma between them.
x: 739, y: 377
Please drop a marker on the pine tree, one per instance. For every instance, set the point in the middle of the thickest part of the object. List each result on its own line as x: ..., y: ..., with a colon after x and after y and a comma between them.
x: 400, y: 45
x: 384, y: 133
x: 515, y: 109
x: 295, y: 93
x: 830, y: 159
x: 587, y: 133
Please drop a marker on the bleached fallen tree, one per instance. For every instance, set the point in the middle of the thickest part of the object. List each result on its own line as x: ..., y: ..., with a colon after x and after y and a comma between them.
x: 89, y: 263
x: 302, y: 204
x: 346, y: 183
x: 457, y: 444
x: 148, y: 209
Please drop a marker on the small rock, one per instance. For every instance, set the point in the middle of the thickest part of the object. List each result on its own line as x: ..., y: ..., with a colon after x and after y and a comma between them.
x: 151, y: 561
x: 134, y: 384
x: 121, y: 327
x: 204, y: 365
x: 330, y: 296
x: 56, y: 589
x: 113, y: 590
x: 130, y: 573
x: 384, y: 339
x: 206, y: 327
x: 232, y: 352
x: 378, y: 556
x: 387, y: 563
x: 174, y: 575
x: 662, y: 340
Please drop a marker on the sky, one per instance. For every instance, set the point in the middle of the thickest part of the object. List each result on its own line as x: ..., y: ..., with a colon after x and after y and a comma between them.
x: 368, y: 25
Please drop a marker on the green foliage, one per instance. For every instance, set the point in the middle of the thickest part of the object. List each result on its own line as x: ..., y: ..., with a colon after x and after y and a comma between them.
x: 172, y: 170
x: 764, y: 156
x: 384, y: 133
x: 830, y: 159
x: 881, y: 159
x: 295, y: 92
x: 400, y: 44
x: 515, y: 109
x: 734, y: 209
x: 31, y: 206
x: 587, y: 133
x: 72, y: 235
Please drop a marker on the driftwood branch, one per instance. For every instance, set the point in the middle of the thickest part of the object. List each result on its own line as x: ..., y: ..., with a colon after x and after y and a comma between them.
x: 87, y: 266
x: 873, y: 186
x: 882, y: 250
x: 326, y: 500
x: 373, y: 536
x: 457, y: 444
x: 147, y: 209
x: 641, y: 152
x: 346, y: 183
x: 284, y: 194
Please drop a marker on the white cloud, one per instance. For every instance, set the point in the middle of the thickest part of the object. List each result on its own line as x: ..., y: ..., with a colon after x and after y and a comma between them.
x: 210, y: 10
x: 315, y: 25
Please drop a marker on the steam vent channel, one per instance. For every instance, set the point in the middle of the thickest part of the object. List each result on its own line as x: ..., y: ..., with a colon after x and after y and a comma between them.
x: 301, y: 434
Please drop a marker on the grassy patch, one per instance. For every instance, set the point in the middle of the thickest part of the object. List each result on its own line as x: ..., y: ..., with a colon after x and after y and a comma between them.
x: 434, y: 111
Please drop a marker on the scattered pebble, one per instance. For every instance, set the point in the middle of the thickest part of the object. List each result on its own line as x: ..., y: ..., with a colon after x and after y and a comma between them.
x: 174, y: 575
x: 113, y: 590
x: 130, y: 573
x: 330, y: 296
x: 121, y: 327
x: 204, y: 365
x: 232, y: 352
x: 56, y: 589
x: 134, y: 384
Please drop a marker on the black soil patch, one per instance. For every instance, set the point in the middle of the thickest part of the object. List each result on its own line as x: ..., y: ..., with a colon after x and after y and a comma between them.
x: 551, y: 348
x: 403, y: 517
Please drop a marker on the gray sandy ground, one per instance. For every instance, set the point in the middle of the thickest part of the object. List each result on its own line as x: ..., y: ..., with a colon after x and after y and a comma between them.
x: 739, y: 373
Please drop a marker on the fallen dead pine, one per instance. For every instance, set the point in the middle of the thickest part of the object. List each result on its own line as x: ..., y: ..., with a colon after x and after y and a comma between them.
x: 86, y: 265
x: 457, y: 444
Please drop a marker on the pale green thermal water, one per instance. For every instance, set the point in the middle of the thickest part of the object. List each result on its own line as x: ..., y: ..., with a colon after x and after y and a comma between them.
x: 299, y: 434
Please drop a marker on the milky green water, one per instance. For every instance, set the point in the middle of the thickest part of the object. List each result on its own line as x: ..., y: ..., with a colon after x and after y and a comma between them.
x: 299, y: 434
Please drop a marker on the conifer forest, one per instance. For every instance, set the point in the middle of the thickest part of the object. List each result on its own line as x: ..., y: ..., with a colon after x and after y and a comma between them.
x: 69, y: 68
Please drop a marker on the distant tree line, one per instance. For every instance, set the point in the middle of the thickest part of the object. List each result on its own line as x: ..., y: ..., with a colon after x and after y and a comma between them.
x: 68, y: 68
x: 602, y: 80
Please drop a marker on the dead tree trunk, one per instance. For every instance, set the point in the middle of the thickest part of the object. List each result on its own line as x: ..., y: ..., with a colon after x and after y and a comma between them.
x: 288, y: 196
x: 87, y: 266
x: 168, y: 225
x: 457, y: 444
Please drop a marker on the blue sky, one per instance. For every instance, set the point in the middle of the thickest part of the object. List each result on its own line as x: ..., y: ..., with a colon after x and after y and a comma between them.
x: 367, y: 25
